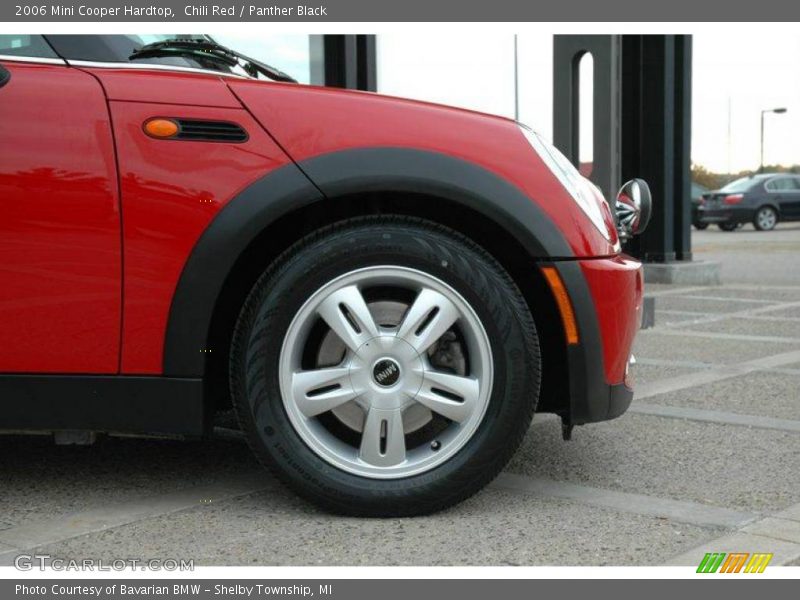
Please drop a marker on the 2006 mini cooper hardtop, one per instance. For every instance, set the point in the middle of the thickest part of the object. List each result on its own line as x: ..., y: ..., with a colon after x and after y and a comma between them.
x: 384, y: 290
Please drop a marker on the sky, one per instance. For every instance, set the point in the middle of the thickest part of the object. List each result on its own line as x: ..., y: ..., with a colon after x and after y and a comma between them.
x: 758, y: 73
x: 288, y: 52
x: 734, y: 79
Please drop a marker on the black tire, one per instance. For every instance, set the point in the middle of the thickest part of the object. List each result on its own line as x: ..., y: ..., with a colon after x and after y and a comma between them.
x: 769, y: 220
x: 699, y: 225
x: 728, y: 226
x: 341, y: 248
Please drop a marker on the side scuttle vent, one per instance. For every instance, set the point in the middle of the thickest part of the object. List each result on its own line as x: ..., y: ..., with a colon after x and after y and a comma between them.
x: 195, y: 130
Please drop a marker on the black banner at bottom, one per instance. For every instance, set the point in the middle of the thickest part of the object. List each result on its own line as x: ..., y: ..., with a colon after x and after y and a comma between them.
x: 397, y: 589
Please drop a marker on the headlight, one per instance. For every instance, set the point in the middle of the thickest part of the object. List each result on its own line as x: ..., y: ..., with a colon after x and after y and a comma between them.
x: 578, y: 187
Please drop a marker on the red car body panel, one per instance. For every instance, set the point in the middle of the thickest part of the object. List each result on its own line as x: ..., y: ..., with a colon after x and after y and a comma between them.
x: 60, y: 259
x: 335, y: 120
x: 166, y: 87
x: 171, y: 191
x: 617, y: 288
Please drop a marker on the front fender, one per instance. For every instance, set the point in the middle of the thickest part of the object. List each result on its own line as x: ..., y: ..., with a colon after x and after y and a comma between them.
x: 327, y: 178
x: 213, y: 257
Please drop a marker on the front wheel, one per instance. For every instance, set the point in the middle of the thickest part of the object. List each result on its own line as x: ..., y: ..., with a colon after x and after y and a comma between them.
x: 700, y: 225
x: 765, y: 218
x: 384, y: 367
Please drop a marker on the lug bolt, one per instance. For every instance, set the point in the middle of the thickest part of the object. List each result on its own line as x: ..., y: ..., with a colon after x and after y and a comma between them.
x: 435, y: 445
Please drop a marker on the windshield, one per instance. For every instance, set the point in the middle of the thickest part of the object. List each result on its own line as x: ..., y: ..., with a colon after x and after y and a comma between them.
x: 739, y: 185
x: 122, y: 48
x: 107, y: 48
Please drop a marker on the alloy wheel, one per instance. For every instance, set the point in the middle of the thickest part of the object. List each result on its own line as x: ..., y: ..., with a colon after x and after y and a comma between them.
x: 766, y: 218
x: 386, y: 372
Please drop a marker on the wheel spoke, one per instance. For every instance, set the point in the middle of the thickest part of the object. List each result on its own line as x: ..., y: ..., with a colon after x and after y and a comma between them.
x: 348, y: 315
x: 451, y: 396
x: 321, y: 390
x: 383, y: 441
x: 428, y: 318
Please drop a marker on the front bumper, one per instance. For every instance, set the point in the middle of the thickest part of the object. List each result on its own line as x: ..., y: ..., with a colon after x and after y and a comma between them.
x: 606, y: 296
x: 619, y: 400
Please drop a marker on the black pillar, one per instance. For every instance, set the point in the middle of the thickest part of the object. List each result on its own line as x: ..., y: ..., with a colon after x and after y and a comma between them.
x: 656, y: 136
x: 683, y: 146
x: 346, y: 61
x: 642, y: 126
x: 567, y: 53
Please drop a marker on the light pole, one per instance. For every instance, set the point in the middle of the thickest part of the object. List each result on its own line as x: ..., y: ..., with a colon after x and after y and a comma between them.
x: 779, y: 111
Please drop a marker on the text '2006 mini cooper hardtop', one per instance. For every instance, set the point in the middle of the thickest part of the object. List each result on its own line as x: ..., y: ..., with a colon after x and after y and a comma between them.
x: 384, y: 290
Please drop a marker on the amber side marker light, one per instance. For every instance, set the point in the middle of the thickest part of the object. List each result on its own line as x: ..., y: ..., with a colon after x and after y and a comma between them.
x: 161, y: 128
x: 564, y: 303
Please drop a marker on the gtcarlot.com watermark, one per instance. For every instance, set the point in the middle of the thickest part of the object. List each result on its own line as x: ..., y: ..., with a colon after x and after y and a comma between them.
x: 42, y: 562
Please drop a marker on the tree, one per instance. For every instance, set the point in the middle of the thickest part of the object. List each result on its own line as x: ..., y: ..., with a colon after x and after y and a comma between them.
x: 704, y: 177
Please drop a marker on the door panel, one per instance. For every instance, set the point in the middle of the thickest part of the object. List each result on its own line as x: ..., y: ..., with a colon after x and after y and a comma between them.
x: 784, y: 192
x: 60, y: 272
x: 790, y: 200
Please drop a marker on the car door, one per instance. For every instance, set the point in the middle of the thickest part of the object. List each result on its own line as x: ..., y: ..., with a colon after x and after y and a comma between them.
x: 784, y: 192
x: 60, y: 272
x: 790, y: 207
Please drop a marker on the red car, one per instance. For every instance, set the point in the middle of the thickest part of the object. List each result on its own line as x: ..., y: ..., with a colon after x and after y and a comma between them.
x: 384, y: 290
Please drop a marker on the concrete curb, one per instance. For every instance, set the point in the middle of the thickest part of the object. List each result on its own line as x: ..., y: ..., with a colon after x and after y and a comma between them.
x: 685, y: 272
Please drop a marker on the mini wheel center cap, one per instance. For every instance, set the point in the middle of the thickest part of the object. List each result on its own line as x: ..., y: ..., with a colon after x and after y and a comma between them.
x: 386, y: 372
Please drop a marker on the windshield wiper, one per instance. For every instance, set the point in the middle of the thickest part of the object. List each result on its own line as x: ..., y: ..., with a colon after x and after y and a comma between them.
x: 207, y: 49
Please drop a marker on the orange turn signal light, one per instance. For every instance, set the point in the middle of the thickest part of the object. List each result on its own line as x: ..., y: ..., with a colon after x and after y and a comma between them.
x: 161, y: 128
x: 564, y: 304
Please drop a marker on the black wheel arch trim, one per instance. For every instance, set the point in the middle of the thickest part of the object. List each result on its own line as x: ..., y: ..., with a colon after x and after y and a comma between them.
x: 334, y: 175
x: 213, y: 257
x: 365, y: 170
